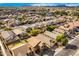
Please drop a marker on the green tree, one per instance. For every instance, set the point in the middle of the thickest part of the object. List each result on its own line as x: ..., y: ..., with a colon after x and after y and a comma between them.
x: 34, y: 32
x: 61, y: 38
x: 65, y: 41
x: 51, y: 27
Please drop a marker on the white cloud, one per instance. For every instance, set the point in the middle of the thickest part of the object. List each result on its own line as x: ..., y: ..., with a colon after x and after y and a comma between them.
x: 72, y: 5
x: 44, y: 4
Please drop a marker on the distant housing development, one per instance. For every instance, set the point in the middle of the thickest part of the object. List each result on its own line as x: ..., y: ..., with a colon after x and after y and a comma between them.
x: 39, y: 31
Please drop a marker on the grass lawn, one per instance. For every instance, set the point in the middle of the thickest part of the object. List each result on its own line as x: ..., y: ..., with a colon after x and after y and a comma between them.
x: 17, y: 44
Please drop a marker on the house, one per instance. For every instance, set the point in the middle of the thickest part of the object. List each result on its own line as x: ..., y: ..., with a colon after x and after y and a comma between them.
x: 70, y: 26
x: 43, y: 39
x: 8, y: 36
x: 33, y: 41
x: 26, y: 47
x: 20, y: 50
x: 9, y: 22
x: 18, y: 31
x: 59, y: 30
x: 52, y: 35
x: 21, y: 33
x: 49, y: 14
x: 35, y: 45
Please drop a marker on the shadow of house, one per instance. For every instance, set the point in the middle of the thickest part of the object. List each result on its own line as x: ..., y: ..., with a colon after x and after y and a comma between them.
x: 50, y: 52
x: 23, y: 36
x: 47, y: 52
x: 69, y: 46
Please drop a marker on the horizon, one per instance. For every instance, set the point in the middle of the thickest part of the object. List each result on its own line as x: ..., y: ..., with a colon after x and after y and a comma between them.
x: 39, y: 4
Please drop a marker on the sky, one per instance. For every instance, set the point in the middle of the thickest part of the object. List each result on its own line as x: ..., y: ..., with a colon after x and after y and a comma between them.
x: 37, y: 4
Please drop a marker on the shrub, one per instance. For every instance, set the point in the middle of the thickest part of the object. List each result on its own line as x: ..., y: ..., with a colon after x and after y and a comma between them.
x: 34, y: 32
x: 65, y: 41
x: 60, y: 37
x: 7, y: 29
x: 51, y: 28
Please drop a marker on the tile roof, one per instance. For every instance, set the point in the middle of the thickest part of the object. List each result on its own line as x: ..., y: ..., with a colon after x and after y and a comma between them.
x: 50, y: 34
x: 33, y: 41
x: 18, y: 31
x: 7, y: 35
x: 43, y: 39
x: 70, y: 25
x: 21, y: 50
x: 59, y: 30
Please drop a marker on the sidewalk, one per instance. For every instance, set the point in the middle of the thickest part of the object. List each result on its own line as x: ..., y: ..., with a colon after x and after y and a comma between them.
x: 77, y: 53
x: 58, y: 50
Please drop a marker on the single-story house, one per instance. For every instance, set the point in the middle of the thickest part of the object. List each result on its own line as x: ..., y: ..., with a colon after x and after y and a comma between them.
x: 70, y: 25
x: 18, y: 31
x: 20, y: 50
x: 59, y: 30
x: 44, y: 39
x: 8, y: 36
x: 21, y: 33
x: 52, y: 35
x: 33, y: 41
x: 24, y: 48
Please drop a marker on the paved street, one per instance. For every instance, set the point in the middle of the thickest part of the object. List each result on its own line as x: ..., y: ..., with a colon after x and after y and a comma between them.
x: 70, y: 49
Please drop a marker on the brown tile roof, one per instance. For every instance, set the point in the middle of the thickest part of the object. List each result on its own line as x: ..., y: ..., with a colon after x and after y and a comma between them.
x: 8, y: 35
x: 18, y: 31
x: 43, y: 39
x: 70, y: 25
x: 21, y: 50
x: 33, y: 41
x: 51, y: 34
x: 59, y: 30
x: 73, y: 25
